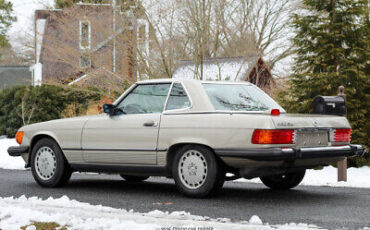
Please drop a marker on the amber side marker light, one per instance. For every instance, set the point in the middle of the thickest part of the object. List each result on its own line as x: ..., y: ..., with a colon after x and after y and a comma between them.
x: 273, y: 136
x: 19, y: 137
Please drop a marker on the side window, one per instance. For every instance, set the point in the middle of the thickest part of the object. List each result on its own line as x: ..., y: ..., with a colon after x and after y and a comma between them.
x: 178, y: 98
x: 85, y: 61
x: 145, y: 99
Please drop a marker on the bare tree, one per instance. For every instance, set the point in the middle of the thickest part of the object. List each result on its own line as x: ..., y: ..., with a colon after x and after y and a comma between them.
x: 269, y: 22
x: 27, y: 107
x: 200, y: 29
x: 9, y: 57
x: 160, y: 33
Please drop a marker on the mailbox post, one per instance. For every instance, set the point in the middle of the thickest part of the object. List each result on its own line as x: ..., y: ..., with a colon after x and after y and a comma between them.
x: 333, y: 105
x: 342, y: 165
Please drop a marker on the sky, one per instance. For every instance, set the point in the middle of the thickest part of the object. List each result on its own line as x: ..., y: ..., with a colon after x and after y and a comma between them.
x: 24, y: 10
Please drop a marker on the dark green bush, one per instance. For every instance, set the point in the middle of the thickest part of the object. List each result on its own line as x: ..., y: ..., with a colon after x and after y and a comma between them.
x: 22, y: 105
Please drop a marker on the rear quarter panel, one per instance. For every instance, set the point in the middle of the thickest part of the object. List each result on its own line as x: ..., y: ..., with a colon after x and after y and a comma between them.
x: 211, y: 129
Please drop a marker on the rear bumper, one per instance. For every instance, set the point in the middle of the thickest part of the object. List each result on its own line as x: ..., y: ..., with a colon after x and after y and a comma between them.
x: 277, y: 154
x: 16, y: 151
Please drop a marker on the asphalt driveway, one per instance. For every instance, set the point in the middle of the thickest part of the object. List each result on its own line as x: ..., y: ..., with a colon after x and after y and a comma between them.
x: 323, y: 206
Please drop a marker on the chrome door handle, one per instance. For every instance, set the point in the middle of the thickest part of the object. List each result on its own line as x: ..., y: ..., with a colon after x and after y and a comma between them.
x: 150, y: 124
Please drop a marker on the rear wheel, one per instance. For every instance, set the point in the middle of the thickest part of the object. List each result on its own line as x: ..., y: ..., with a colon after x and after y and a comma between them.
x: 197, y: 172
x: 48, y: 165
x: 134, y: 178
x: 284, y: 181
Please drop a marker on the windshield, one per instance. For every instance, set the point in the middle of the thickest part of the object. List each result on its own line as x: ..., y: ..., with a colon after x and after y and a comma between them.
x: 235, y: 97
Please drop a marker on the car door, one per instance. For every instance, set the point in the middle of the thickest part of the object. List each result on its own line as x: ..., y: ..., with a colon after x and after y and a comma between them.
x: 129, y: 136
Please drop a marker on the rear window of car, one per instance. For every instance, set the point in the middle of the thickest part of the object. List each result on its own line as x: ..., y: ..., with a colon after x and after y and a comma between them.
x: 239, y: 97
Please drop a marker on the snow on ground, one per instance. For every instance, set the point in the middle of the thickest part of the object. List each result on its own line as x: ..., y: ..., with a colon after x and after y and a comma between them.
x: 22, y: 211
x: 6, y: 161
x: 356, y: 177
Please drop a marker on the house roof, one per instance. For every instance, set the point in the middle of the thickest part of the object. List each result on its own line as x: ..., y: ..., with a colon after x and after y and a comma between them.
x: 226, y: 68
x: 43, y: 14
x: 14, y: 75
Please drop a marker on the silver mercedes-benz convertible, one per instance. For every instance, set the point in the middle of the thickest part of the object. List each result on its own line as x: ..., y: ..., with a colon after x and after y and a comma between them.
x: 193, y: 131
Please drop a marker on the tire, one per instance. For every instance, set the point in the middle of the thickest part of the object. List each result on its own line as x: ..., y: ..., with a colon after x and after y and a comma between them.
x: 197, y: 172
x: 48, y: 165
x: 284, y: 181
x: 134, y: 178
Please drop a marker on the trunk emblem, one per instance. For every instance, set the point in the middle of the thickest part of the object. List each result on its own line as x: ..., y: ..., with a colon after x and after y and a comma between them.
x: 315, y: 123
x: 285, y: 124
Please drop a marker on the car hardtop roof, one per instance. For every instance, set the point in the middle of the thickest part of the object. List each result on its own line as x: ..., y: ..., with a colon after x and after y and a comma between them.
x: 170, y: 80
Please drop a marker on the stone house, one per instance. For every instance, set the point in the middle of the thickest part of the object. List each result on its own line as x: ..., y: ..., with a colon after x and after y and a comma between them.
x: 85, y: 42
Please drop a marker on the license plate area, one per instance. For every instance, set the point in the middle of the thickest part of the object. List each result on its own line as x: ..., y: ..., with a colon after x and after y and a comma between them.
x: 312, y: 138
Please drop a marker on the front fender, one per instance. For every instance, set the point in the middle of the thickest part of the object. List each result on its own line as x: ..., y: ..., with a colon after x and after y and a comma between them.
x: 30, y: 141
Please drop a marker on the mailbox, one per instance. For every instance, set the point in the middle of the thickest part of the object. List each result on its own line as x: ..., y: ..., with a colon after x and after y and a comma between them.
x: 331, y: 105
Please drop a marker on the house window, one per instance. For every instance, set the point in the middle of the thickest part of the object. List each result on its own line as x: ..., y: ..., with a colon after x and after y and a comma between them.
x: 143, y: 36
x: 85, y: 61
x: 85, y: 35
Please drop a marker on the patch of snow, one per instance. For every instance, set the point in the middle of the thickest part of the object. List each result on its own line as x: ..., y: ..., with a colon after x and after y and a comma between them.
x: 356, y: 177
x: 6, y: 161
x: 22, y: 211
x: 255, y: 220
x: 31, y: 227
x: 292, y: 226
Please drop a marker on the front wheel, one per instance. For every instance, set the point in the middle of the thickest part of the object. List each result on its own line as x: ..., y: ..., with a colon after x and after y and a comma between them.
x: 197, y: 172
x: 48, y: 165
x: 284, y: 181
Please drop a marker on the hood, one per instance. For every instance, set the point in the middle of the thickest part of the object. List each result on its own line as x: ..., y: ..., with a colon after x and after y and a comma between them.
x: 65, y: 123
x: 285, y: 121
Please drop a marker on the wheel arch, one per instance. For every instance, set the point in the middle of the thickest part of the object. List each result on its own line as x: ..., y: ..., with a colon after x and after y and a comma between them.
x: 175, y: 147
x: 35, y: 139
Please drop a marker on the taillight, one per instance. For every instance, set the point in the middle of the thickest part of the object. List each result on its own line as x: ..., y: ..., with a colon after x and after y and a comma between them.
x: 341, y: 135
x: 273, y: 136
x: 19, y: 137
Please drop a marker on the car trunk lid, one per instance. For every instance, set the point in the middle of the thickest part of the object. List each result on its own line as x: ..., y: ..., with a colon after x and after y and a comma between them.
x: 311, y: 130
x: 288, y: 121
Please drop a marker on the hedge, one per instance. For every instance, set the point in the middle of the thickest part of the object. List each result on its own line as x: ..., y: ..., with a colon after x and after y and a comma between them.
x: 23, y: 105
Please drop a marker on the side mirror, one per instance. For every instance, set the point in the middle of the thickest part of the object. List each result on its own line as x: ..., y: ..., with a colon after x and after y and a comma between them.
x: 108, y: 108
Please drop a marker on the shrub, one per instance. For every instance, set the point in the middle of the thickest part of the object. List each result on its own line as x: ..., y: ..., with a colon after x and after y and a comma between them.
x: 23, y: 105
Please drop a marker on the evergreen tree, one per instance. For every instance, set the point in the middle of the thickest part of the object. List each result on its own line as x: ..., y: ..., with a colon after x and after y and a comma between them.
x: 333, y: 49
x: 6, y: 19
